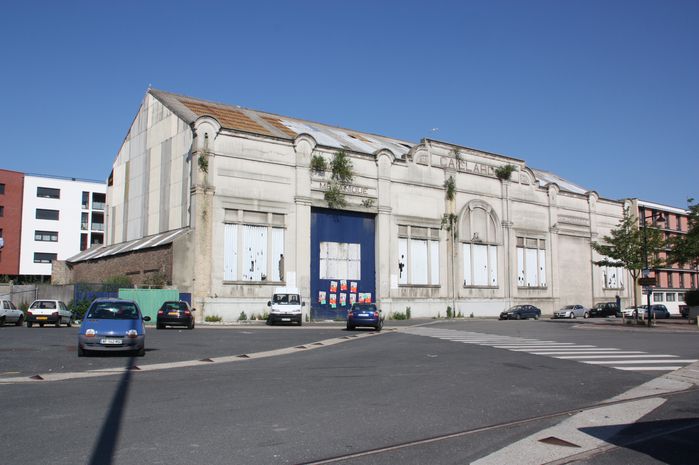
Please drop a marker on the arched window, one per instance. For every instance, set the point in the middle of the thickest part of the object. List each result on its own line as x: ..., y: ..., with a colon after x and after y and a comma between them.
x: 479, y: 234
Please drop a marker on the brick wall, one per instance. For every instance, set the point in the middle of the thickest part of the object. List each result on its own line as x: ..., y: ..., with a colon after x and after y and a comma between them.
x: 138, y: 266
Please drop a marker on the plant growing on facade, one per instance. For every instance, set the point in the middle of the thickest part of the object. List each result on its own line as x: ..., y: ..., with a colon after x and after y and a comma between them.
x: 203, y: 162
x: 318, y: 164
x: 212, y: 318
x: 625, y: 247
x: 341, y: 176
x: 368, y: 203
x: 504, y: 172
x: 450, y: 188
x: 158, y: 279
x: 449, y: 222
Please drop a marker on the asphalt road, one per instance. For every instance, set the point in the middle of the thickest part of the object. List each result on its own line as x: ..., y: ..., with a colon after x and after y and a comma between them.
x: 377, y: 398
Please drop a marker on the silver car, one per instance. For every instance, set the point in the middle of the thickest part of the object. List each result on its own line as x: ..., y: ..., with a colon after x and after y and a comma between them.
x: 572, y: 311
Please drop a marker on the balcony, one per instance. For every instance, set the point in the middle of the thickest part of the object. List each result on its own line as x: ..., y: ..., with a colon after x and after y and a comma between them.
x: 98, y: 226
x: 98, y: 206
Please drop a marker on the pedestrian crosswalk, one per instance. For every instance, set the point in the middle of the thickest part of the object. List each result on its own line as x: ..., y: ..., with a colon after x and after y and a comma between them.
x: 627, y: 360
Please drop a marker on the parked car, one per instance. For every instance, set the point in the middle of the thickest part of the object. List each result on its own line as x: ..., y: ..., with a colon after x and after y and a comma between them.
x: 364, y: 315
x: 53, y: 312
x: 660, y: 311
x: 175, y: 313
x: 520, y: 312
x: 572, y: 311
x: 10, y: 314
x: 603, y: 310
x: 113, y: 325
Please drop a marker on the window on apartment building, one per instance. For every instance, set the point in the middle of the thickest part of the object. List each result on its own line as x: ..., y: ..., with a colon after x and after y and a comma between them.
x: 612, y: 277
x: 531, y: 262
x: 670, y: 279
x: 658, y: 297
x: 98, y: 201
x: 2, y: 188
x: 48, y: 192
x: 86, y: 200
x: 418, y: 255
x: 678, y: 222
x: 46, y: 236
x: 43, y: 214
x: 253, y: 249
x: 670, y: 296
x: 2, y: 211
x: 83, y: 242
x: 41, y: 257
x: 680, y: 296
x: 84, y: 221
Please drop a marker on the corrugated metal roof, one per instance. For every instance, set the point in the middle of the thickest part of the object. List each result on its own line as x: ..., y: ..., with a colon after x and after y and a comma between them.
x: 544, y: 178
x: 283, y: 127
x: 147, y: 242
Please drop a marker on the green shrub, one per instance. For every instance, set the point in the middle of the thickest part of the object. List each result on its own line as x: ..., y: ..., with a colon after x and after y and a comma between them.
x: 79, y: 308
x: 212, y: 318
x: 448, y: 312
x: 397, y: 316
x: 243, y: 316
x: 504, y: 172
x: 407, y: 313
x: 114, y: 283
x: 318, y: 164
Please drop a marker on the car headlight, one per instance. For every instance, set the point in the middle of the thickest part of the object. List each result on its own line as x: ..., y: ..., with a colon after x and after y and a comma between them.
x: 90, y: 332
x: 131, y: 333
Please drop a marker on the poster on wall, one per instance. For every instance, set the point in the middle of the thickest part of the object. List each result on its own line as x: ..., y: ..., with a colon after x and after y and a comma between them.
x: 333, y: 286
x: 353, y: 287
x: 333, y: 300
x: 343, y: 284
x: 321, y: 297
x: 343, y: 299
x: 353, y: 299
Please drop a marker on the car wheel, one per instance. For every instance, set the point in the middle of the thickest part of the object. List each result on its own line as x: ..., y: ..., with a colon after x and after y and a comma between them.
x: 191, y: 325
x: 536, y: 316
x: 572, y: 315
x: 300, y: 322
x: 159, y: 326
x: 378, y: 327
x: 2, y: 321
x: 58, y: 322
x: 70, y: 322
x: 41, y: 325
x: 20, y: 321
x: 586, y: 315
x: 81, y: 352
x: 141, y: 352
x: 29, y: 324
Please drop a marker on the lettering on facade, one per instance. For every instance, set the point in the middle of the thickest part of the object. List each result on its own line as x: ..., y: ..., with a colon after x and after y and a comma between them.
x: 347, y: 189
x: 463, y: 166
x: 573, y: 220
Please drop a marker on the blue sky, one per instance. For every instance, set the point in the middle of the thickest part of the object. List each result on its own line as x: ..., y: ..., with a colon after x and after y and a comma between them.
x: 602, y: 92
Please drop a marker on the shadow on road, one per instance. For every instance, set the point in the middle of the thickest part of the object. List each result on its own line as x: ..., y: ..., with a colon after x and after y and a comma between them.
x: 673, y: 442
x: 105, y: 448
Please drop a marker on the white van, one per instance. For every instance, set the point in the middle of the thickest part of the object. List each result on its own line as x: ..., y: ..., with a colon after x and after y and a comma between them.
x: 286, y: 306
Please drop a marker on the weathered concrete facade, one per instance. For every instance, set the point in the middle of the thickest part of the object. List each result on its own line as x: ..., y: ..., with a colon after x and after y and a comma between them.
x: 241, y: 181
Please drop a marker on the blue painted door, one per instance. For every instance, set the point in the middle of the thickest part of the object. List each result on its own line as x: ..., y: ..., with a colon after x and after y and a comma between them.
x: 342, y: 261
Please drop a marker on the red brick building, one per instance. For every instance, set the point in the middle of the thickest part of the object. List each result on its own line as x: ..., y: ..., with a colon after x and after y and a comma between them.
x: 11, y: 191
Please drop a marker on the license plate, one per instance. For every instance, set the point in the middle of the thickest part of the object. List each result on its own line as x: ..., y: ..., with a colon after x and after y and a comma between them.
x: 111, y: 342
x: 286, y: 319
x: 363, y: 314
x: 173, y: 313
x: 42, y: 318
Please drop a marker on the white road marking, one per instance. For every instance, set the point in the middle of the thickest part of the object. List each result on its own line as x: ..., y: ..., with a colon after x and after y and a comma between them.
x: 629, y: 362
x: 614, y: 356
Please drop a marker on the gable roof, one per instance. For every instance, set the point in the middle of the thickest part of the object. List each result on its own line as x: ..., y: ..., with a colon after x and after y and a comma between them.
x: 282, y: 127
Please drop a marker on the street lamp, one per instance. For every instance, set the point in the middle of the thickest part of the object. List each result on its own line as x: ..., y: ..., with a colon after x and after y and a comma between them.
x: 646, y: 271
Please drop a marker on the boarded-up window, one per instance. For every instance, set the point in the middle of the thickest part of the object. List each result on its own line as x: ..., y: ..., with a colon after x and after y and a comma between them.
x: 418, y: 256
x: 340, y: 260
x: 612, y: 277
x: 531, y: 262
x: 480, y: 264
x: 230, y: 252
x: 253, y: 252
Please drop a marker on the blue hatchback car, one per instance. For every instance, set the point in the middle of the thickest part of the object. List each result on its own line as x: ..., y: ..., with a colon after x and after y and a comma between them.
x: 113, y: 325
x: 364, y: 315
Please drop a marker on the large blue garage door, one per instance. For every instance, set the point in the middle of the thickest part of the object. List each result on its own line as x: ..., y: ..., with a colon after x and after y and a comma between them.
x: 342, y: 261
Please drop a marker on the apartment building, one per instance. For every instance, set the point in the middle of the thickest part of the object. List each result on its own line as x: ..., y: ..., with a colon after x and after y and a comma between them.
x: 11, y: 190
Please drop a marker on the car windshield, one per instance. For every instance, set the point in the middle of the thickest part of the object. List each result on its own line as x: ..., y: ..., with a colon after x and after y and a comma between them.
x: 174, y: 306
x: 286, y: 299
x: 44, y: 304
x: 364, y: 307
x: 113, y: 311
x: 569, y: 307
x: 512, y: 309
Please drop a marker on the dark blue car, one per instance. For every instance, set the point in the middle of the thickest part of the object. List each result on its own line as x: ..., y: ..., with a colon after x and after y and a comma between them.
x: 364, y: 315
x: 113, y: 325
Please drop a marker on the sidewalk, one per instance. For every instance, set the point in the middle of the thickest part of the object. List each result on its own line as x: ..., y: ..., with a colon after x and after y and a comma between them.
x: 670, y: 325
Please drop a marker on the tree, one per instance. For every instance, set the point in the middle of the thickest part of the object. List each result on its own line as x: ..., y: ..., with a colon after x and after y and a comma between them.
x: 626, y: 247
x: 684, y: 248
